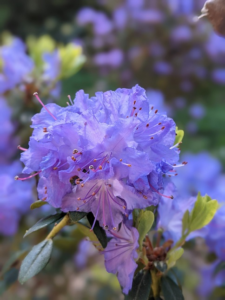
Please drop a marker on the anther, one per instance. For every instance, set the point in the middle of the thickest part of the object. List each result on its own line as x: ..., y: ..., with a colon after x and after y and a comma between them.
x: 75, y: 151
x: 100, y: 167
x: 68, y: 103
x: 152, y: 138
x: 39, y: 100
x: 147, y: 125
x: 159, y: 123
x: 77, y: 208
x: 44, y: 199
x: 134, y: 107
x: 79, y: 198
x: 114, y: 228
x: 77, y: 181
x: 145, y: 197
x: 55, y: 168
x: 124, y: 207
x: 95, y: 160
x: 184, y: 163
x: 79, y: 169
x: 163, y: 128
x: 129, y: 165
x: 82, y: 185
x: 121, y: 159
x: 156, y: 111
x: 91, y: 167
x: 152, y: 107
x: 73, y: 158
x: 16, y: 177
x: 45, y: 129
x: 140, y: 108
x: 69, y: 97
x: 93, y: 194
x: 45, y: 191
x: 21, y: 148
x: 136, y: 115
x: 135, y: 102
x: 172, y: 197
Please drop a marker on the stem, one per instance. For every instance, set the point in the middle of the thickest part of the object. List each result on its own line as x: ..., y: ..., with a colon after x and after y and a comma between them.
x: 155, y: 283
x: 65, y: 221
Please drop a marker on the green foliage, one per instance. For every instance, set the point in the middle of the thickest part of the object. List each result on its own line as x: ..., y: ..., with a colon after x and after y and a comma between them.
x: 45, y: 222
x: 220, y: 267
x: 16, y: 257
x: 38, y: 204
x: 185, y: 223
x: 179, y: 136
x: 141, y: 286
x: 144, y: 223
x: 75, y: 216
x: 90, y: 234
x: 203, y: 212
x: 36, y: 260
x: 170, y: 290
x: 98, y: 230
x: 173, y: 256
x: 9, y: 278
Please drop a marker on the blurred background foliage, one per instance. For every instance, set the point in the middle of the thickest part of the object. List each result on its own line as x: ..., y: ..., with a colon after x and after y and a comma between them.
x: 140, y: 44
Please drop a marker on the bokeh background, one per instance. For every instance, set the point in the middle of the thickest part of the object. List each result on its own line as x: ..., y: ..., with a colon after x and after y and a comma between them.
x: 154, y: 43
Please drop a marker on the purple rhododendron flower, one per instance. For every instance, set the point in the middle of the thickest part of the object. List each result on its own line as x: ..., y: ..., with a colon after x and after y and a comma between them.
x: 86, y: 250
x: 17, y: 65
x: 15, y: 198
x: 120, y: 255
x: 7, y: 144
x: 114, y: 148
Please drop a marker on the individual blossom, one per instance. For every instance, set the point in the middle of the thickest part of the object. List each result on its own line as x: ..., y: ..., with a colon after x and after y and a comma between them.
x: 120, y: 255
x: 106, y: 154
x: 15, y: 198
x: 16, y: 65
x: 7, y: 145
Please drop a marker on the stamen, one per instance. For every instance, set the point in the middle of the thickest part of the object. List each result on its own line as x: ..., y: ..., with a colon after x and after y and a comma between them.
x: 70, y: 99
x: 21, y: 148
x: 169, y: 197
x: 25, y: 178
x: 37, y: 97
x: 174, y: 146
x: 96, y: 215
x: 45, y: 129
x: 156, y: 111
x: 75, y: 151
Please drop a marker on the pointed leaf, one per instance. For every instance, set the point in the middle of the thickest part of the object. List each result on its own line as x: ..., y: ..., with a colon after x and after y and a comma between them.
x: 35, y: 261
x: 87, y: 232
x: 203, y: 212
x: 75, y: 216
x: 145, y: 223
x: 173, y: 256
x: 17, y: 256
x: 98, y: 230
x: 170, y: 290
x: 38, y: 204
x: 141, y: 286
x: 9, y: 278
x: 185, y: 223
x: 179, y: 136
x: 44, y: 222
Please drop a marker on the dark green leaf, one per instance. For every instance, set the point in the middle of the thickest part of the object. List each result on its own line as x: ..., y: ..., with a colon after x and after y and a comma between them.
x: 75, y: 216
x: 9, y: 278
x: 141, y: 287
x: 38, y: 204
x: 35, y: 261
x: 160, y: 265
x: 12, y: 260
x: 170, y: 290
x: 98, y: 230
x: 220, y: 267
x: 45, y: 222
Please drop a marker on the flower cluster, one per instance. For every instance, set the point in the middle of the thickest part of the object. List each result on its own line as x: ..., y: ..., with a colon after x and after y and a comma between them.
x: 107, y: 155
x: 41, y: 69
x: 185, y: 53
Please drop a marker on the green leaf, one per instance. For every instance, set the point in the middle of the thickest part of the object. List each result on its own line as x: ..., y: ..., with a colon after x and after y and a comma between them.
x: 35, y: 261
x: 87, y: 232
x: 98, y: 230
x: 38, y: 204
x: 185, y: 223
x: 17, y: 256
x: 9, y: 278
x: 141, y: 286
x: 203, y: 212
x: 170, y: 290
x: 173, y: 256
x: 75, y: 216
x: 144, y: 225
x: 179, y: 136
x: 44, y: 222
x: 220, y: 267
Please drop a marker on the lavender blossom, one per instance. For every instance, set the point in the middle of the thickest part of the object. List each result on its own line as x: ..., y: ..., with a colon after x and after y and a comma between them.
x: 105, y: 154
x: 120, y: 255
x: 15, y: 198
